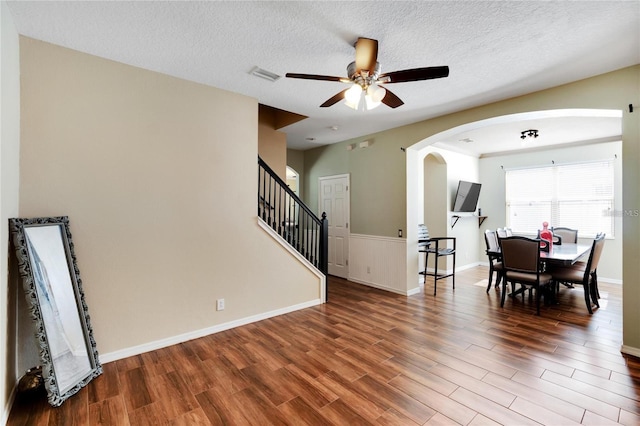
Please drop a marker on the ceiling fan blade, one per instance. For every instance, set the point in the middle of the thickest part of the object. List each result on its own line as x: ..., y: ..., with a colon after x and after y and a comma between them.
x: 391, y: 100
x: 366, y: 54
x: 317, y: 77
x: 414, y: 74
x: 334, y: 99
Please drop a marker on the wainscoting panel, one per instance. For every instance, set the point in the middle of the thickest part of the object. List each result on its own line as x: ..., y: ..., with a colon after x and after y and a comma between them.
x: 379, y: 262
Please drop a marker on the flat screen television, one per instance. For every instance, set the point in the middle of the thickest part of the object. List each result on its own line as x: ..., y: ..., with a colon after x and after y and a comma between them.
x: 466, y: 197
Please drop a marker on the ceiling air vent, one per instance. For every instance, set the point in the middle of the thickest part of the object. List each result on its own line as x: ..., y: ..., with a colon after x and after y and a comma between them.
x: 267, y: 75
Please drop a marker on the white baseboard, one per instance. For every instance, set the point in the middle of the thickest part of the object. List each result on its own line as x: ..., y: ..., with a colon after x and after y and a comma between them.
x: 174, y: 340
x: 458, y: 268
x: 630, y: 351
x: 379, y: 286
x: 414, y: 290
x: 609, y: 280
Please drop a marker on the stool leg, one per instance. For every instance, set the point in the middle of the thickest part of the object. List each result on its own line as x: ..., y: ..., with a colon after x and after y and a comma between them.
x: 426, y: 260
x: 435, y: 275
x: 454, y: 270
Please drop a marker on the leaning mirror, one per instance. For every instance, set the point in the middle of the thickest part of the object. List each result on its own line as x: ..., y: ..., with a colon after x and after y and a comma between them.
x: 51, y: 280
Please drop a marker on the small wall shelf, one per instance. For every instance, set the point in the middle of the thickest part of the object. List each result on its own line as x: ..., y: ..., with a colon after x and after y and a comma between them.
x: 456, y: 217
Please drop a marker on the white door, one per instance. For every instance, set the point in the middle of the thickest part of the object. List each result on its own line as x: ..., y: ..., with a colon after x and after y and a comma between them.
x: 333, y: 199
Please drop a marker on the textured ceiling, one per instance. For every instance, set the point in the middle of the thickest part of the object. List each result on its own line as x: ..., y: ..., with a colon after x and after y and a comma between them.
x: 495, y: 50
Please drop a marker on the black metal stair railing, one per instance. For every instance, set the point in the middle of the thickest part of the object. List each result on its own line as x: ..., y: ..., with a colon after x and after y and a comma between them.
x: 287, y: 214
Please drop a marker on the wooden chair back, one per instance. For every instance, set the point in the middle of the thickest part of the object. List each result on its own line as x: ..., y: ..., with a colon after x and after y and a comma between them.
x: 491, y: 240
x: 521, y: 254
x: 596, y: 252
x: 567, y: 235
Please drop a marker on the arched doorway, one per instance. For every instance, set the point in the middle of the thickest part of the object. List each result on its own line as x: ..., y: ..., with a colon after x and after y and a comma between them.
x: 417, y: 181
x: 435, y: 198
x: 293, y: 180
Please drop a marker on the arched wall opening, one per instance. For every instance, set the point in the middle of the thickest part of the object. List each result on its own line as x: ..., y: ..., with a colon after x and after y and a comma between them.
x: 293, y: 180
x: 458, y: 168
x: 435, y: 200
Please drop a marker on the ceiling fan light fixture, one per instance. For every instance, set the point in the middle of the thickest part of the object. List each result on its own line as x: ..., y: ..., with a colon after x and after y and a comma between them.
x: 376, y: 93
x: 365, y: 73
x: 352, y: 105
x: 370, y: 103
x: 364, y: 100
x: 353, y: 94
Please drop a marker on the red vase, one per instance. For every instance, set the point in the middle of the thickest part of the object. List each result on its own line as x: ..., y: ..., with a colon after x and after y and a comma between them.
x: 546, y: 235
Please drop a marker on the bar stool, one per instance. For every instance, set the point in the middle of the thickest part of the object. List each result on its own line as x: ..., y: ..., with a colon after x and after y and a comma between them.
x: 439, y: 247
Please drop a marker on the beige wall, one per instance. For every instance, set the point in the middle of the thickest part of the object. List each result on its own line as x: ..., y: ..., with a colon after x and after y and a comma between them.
x: 272, y: 144
x: 456, y: 167
x: 158, y: 176
x: 9, y: 175
x: 295, y: 160
x: 435, y: 203
x: 378, y: 195
x: 436, y: 195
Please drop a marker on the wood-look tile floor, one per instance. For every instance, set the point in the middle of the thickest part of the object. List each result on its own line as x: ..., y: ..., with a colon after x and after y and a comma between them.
x: 373, y: 357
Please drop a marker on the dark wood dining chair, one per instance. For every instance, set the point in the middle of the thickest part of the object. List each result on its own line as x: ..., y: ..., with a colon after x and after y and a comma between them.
x: 495, y: 259
x: 582, y: 265
x: 521, y: 263
x: 567, y: 235
x: 587, y: 277
x: 440, y: 247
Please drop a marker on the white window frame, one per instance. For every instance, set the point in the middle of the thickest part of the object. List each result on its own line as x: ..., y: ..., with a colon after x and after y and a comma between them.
x: 562, y: 195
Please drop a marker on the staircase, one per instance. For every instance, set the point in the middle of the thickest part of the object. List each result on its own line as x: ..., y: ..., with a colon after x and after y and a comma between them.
x: 281, y: 209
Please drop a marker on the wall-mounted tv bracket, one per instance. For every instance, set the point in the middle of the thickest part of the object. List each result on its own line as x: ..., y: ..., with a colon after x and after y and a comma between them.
x: 456, y: 217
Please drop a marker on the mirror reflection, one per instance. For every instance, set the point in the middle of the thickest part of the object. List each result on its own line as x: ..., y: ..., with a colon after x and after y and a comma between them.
x: 58, y: 305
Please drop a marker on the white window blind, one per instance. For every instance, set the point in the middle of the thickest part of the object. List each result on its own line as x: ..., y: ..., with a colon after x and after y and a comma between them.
x: 578, y: 196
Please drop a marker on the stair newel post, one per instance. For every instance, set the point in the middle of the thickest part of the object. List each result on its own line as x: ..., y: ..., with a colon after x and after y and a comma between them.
x: 324, y: 250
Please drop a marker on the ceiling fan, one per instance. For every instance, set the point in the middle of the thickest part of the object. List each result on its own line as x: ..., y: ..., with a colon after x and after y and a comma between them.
x: 366, y: 91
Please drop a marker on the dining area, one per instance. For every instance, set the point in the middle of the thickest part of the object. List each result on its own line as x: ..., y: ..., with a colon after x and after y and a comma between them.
x: 539, y: 268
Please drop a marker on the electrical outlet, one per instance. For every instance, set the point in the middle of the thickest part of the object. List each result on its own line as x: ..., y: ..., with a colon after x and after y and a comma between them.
x: 368, y: 270
x: 220, y: 305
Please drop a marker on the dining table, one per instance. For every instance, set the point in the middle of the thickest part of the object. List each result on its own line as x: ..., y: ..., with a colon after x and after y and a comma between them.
x: 558, y: 254
x: 564, y: 254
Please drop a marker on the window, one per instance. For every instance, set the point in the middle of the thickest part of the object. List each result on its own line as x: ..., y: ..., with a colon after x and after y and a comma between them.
x: 578, y: 196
